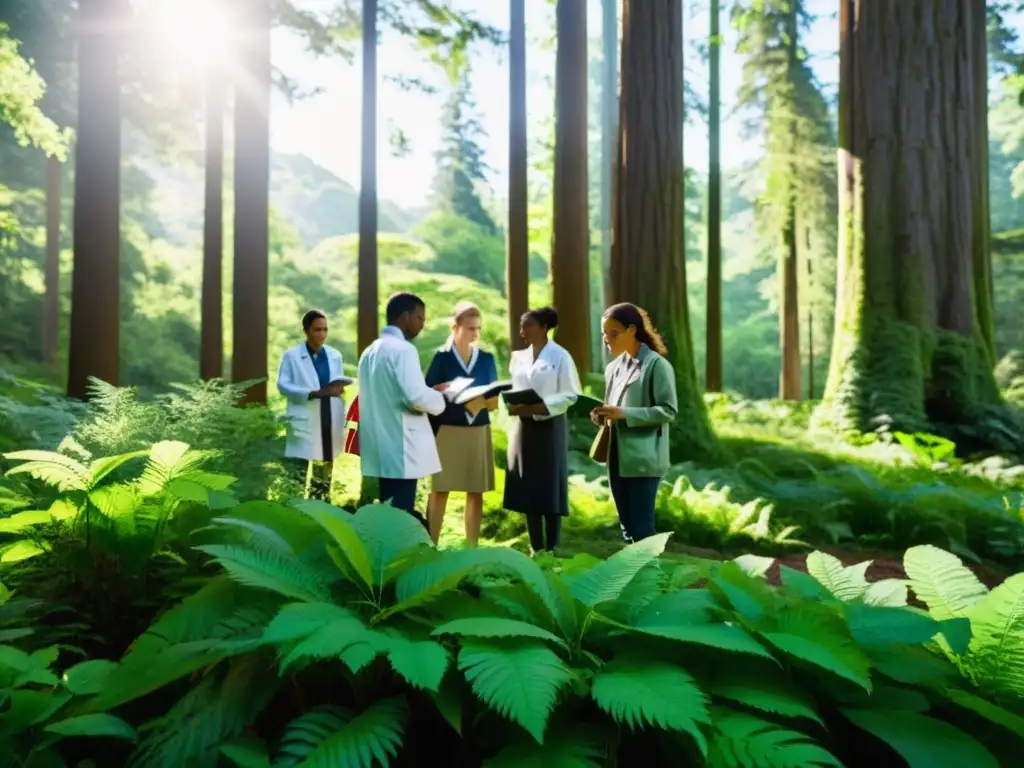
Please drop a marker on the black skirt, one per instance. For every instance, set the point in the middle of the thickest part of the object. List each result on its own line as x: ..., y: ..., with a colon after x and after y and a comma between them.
x: 537, y: 481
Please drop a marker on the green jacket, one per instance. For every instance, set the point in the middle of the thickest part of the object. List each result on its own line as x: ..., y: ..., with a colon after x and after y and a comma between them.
x: 650, y: 405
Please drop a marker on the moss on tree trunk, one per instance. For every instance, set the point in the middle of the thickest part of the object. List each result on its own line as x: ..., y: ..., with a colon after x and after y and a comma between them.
x: 910, y: 350
x: 648, y: 263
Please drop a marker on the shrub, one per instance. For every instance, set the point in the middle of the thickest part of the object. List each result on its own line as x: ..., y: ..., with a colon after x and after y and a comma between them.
x: 386, y: 647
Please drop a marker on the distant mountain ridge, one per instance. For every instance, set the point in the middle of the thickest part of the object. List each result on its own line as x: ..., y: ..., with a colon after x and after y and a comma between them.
x: 313, y: 200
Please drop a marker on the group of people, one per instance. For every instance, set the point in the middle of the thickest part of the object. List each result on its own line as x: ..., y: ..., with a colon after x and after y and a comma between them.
x: 408, y: 429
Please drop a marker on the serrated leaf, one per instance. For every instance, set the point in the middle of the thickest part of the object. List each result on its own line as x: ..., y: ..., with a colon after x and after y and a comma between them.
x: 843, y: 582
x: 754, y: 565
x: 922, y: 741
x: 606, y: 581
x: 422, y: 663
x: 889, y: 592
x: 942, y: 582
x: 518, y: 681
x: 496, y: 627
x: 93, y: 725
x: 874, y: 626
x: 270, y: 570
x: 740, y: 740
x: 371, y: 737
x: 388, y: 534
x: 639, y: 692
x: 821, y: 638
x: 725, y: 637
x: 339, y: 525
x: 997, y: 647
x: 767, y: 691
x: 690, y: 606
x: 298, y: 620
x: 332, y: 641
x: 578, y: 748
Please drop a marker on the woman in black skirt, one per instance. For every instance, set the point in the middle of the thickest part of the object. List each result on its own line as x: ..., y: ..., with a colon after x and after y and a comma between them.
x: 537, y: 483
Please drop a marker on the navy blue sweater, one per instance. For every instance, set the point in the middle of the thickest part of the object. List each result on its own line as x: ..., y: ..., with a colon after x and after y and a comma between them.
x: 446, y: 366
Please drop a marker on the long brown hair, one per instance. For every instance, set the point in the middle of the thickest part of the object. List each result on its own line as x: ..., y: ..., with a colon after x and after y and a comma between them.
x: 630, y: 314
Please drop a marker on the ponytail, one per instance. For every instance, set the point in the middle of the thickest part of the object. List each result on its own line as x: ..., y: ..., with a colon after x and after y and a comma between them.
x: 630, y: 314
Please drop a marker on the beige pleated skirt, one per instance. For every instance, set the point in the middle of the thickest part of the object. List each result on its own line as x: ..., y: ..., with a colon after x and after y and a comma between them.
x: 467, y: 460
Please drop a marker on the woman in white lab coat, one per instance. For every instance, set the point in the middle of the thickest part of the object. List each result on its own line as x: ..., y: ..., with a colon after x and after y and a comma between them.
x: 310, y: 379
x: 537, y: 482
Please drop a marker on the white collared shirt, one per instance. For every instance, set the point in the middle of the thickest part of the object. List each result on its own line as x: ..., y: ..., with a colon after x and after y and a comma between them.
x: 552, y: 375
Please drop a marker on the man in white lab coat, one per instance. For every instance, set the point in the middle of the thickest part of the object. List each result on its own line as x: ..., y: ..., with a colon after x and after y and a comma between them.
x: 396, y: 441
x: 310, y: 378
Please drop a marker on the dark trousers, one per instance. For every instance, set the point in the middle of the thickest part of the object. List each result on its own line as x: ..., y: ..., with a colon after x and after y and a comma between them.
x: 402, y: 495
x: 634, y: 499
x: 545, y: 531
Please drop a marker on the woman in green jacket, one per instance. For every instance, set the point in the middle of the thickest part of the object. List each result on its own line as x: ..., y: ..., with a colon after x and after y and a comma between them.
x: 639, y: 403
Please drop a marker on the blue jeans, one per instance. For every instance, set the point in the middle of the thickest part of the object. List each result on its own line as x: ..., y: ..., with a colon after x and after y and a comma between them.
x: 634, y: 498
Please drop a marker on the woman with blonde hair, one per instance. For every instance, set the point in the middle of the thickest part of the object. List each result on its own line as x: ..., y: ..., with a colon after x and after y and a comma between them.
x: 639, y: 404
x: 464, y: 437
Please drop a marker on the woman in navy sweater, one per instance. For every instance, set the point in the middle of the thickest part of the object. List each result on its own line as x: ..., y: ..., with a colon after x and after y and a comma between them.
x: 464, y: 440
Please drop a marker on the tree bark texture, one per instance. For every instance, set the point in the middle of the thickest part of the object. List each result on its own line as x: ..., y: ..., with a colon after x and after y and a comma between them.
x: 713, y: 335
x: 648, y: 262
x: 910, y: 350
x: 95, y: 290
x: 570, y: 247
x: 609, y: 118
x: 51, y: 271
x: 252, y: 201
x: 369, y: 290
x: 517, y: 259
x: 211, y: 354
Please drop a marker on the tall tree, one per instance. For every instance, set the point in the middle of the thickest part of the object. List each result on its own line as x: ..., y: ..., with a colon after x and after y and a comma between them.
x: 713, y: 353
x: 252, y: 199
x: 460, y: 160
x: 368, y: 298
x: 909, y: 350
x: 211, y: 352
x: 648, y: 262
x: 570, y: 247
x: 789, y: 110
x: 51, y: 272
x: 609, y: 116
x: 95, y: 296
x: 517, y: 267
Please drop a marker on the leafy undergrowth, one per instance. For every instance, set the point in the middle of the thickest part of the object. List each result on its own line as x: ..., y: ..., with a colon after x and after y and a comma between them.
x: 326, y: 638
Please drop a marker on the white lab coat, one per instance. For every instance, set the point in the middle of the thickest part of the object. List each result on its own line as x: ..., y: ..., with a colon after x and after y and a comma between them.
x: 552, y: 375
x: 396, y: 440
x: 296, y: 379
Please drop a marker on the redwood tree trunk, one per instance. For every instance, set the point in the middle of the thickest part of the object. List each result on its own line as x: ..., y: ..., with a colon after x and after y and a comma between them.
x: 713, y: 336
x: 910, y: 350
x: 51, y: 299
x: 648, y: 261
x: 570, y: 262
x: 789, y: 311
x: 211, y: 355
x: 609, y: 118
x: 252, y: 200
x: 517, y: 259
x: 95, y: 290
x: 369, y: 290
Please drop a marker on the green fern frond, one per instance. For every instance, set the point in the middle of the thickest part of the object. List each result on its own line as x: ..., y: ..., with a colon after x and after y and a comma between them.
x: 496, y: 627
x: 815, y: 634
x: 922, y: 740
x: 54, y: 469
x: 942, y: 582
x: 912, y: 665
x: 843, y: 582
x: 575, y: 749
x: 766, y: 689
x: 422, y: 663
x: 271, y: 571
x: 338, y: 524
x: 740, y: 740
x: 891, y: 592
x: 991, y: 712
x: 333, y: 640
x: 648, y: 584
x: 749, y: 597
x: 875, y: 626
x: 638, y: 692
x: 373, y: 736
x: 996, y: 658
x: 211, y: 713
x: 725, y: 637
x: 389, y: 535
x: 296, y: 621
x: 306, y: 732
x: 519, y: 681
x: 692, y: 606
x: 607, y: 580
x: 170, y: 460
x: 101, y: 468
x: 261, y: 536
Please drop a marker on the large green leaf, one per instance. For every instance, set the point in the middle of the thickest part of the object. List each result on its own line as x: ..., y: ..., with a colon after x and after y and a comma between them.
x: 493, y: 626
x: 93, y: 725
x: 740, y: 740
x: 326, y: 740
x: 22, y: 520
x: 246, y: 752
x: 388, y: 534
x: 991, y: 712
x: 874, y: 626
x: 332, y: 640
x: 921, y: 740
x: 298, y: 530
x: 101, y: 468
x: 765, y: 689
x: 54, y: 469
x: 638, y: 692
x: 422, y: 663
x: 844, y: 582
x: 942, y: 582
x: 891, y: 592
x: 749, y: 597
x: 517, y: 680
x: 814, y: 634
x: 912, y: 665
x: 725, y: 637
x: 607, y: 580
x: 296, y: 621
x: 89, y: 676
x: 338, y: 524
x: 997, y: 647
x: 20, y: 551
x: 270, y: 570
x: 692, y: 606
